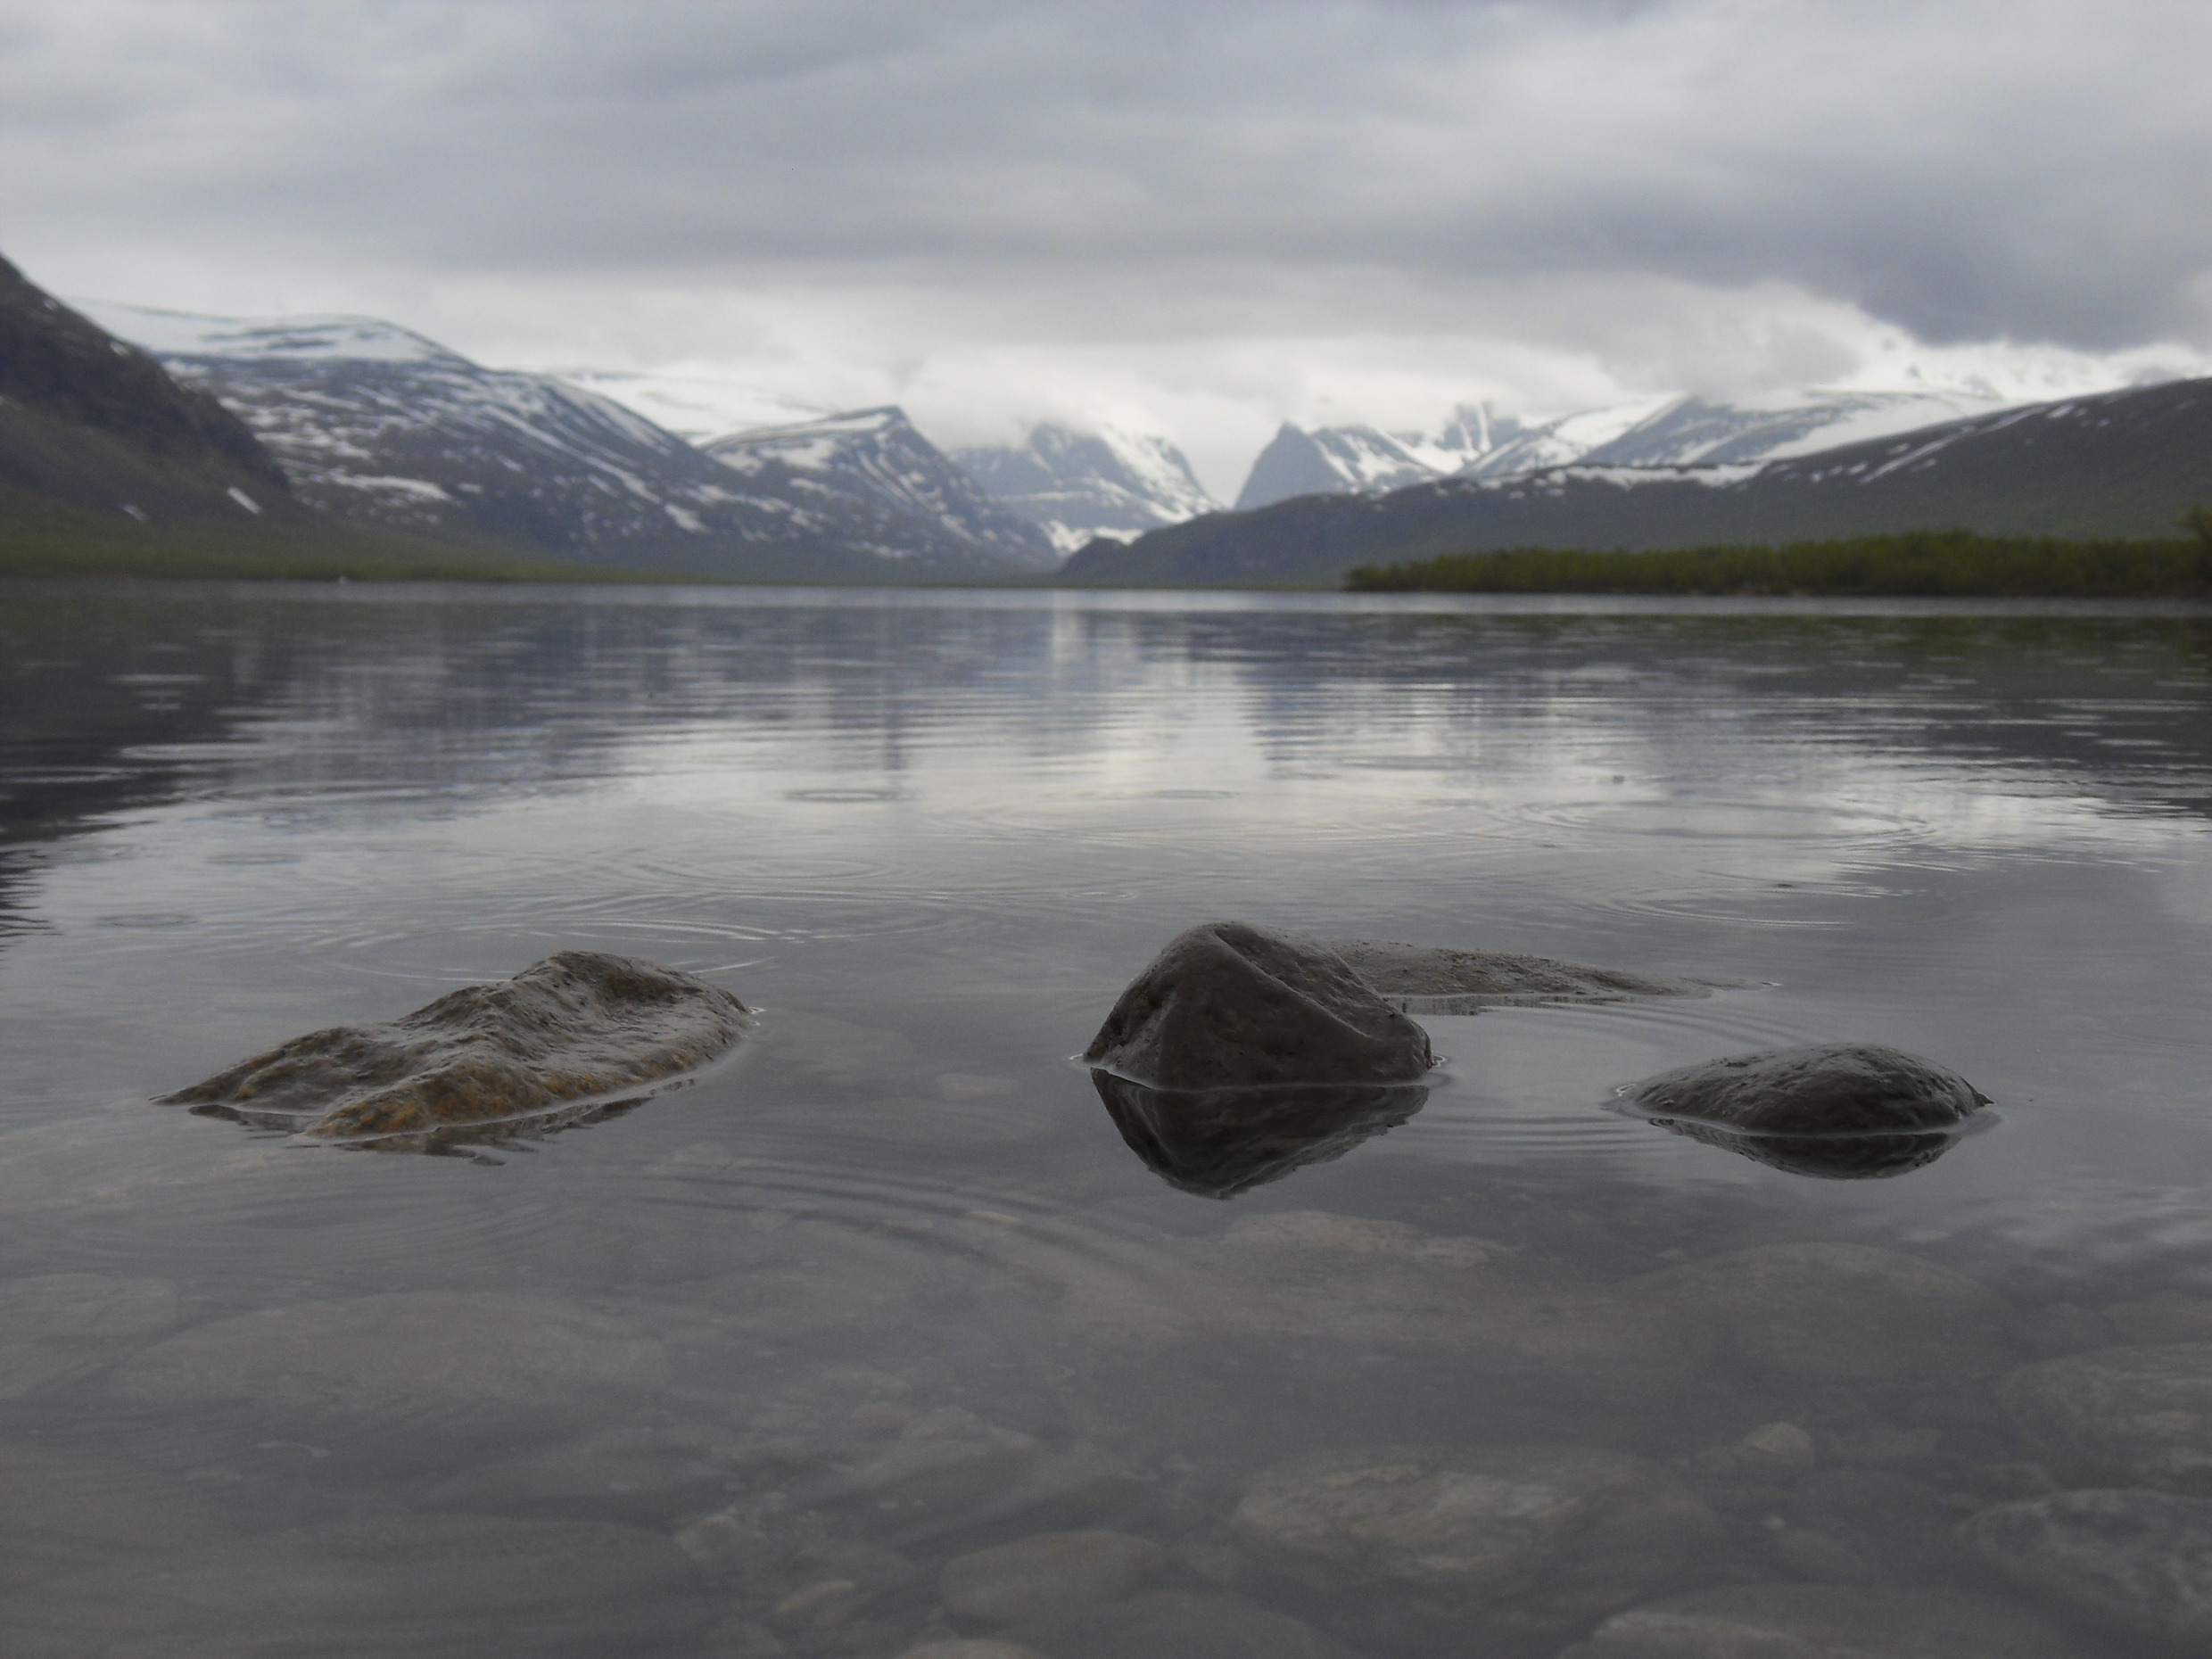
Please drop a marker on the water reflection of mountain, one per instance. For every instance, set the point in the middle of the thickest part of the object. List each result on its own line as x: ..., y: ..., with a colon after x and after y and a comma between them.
x: 118, y: 698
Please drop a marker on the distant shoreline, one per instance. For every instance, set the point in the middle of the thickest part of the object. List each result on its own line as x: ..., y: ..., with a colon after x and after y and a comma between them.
x: 1915, y: 564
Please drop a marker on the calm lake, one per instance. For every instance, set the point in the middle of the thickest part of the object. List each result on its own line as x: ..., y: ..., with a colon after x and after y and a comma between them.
x: 774, y: 1362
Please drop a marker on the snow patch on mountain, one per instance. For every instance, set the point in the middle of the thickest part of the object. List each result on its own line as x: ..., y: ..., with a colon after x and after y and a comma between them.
x: 696, y: 406
x: 876, y: 456
x: 1078, y: 485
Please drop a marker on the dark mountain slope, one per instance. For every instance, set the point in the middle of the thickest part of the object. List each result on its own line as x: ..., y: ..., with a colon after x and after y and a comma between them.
x: 2122, y: 464
x: 382, y: 428
x: 88, y: 420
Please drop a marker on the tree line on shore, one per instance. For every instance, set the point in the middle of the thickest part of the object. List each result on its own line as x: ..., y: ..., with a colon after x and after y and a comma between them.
x: 1928, y: 563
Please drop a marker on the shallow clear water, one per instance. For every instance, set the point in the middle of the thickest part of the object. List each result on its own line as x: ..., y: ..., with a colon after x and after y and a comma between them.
x: 888, y: 1288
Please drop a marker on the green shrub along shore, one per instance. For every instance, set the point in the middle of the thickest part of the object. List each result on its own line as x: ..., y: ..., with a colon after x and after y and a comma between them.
x: 1919, y: 563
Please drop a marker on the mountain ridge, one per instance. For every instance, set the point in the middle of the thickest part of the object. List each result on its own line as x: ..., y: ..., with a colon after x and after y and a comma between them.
x: 2115, y: 465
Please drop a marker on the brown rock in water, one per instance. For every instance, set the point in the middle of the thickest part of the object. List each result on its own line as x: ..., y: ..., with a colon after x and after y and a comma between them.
x: 557, y: 1039
x: 1228, y: 1005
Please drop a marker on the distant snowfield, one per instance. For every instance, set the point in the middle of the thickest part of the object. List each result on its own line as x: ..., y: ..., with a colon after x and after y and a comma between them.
x: 697, y: 405
x: 187, y: 334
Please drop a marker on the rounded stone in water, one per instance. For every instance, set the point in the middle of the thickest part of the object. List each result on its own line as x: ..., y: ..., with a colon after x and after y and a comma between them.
x: 1826, y: 1088
x: 576, y: 1028
x: 1228, y: 1005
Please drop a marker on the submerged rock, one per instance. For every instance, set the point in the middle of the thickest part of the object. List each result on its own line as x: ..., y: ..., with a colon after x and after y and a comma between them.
x: 1218, y: 1143
x: 1841, y: 1313
x: 1442, y: 980
x: 1510, y: 1546
x: 550, y: 1044
x: 1046, y: 1576
x: 424, y: 1584
x: 2137, y: 1416
x: 1825, y: 1621
x: 2140, y: 1562
x: 412, y: 1362
x: 1228, y: 1005
x: 1172, y: 1624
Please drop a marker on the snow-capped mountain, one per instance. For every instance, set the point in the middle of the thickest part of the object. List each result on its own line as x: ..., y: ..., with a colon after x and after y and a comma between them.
x: 1333, y: 460
x: 1076, y: 485
x: 1478, y: 441
x: 875, y: 457
x: 377, y: 424
x: 2118, y: 466
x: 694, y: 406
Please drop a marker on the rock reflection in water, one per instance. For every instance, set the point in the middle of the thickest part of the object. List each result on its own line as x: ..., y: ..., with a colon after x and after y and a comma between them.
x: 1218, y: 1143
x: 1826, y: 1157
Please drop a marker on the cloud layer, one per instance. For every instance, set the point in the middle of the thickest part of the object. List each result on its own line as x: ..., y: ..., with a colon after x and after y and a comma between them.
x: 1273, y: 203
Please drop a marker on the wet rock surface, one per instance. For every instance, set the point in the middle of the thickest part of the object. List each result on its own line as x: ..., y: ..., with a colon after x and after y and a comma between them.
x: 1229, y: 1005
x: 1826, y: 1621
x: 2135, y: 1416
x: 1046, y: 1577
x: 548, y: 1046
x: 420, y: 1361
x: 1515, y: 1546
x: 1814, y: 1313
x: 1837, y: 1111
x: 2137, y: 1562
x: 1219, y: 1143
x: 420, y: 1584
x: 1440, y: 980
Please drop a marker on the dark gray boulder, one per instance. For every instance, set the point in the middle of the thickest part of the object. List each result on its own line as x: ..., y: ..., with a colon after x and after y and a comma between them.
x: 2138, y: 1561
x: 1218, y: 1143
x: 1827, y: 1088
x: 1229, y: 1005
x: 560, y: 1039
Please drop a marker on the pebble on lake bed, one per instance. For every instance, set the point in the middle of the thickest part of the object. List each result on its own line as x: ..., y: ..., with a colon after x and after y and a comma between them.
x: 560, y: 1037
x: 1228, y: 1005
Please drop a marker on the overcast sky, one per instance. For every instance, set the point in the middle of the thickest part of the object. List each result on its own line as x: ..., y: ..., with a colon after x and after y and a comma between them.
x: 1196, y: 217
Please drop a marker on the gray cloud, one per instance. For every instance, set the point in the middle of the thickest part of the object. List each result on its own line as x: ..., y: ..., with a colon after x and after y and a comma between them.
x: 2025, y: 170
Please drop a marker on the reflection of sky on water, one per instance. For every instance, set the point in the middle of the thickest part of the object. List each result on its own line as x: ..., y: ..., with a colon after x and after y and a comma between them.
x: 972, y: 816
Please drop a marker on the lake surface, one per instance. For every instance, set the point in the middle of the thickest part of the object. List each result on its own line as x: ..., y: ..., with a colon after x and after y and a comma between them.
x: 741, y: 1370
